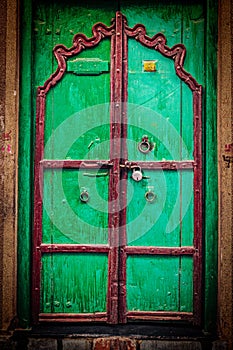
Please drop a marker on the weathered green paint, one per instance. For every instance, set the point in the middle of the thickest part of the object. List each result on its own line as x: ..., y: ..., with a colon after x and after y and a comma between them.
x: 82, y: 288
x: 85, y: 66
x: 150, y: 224
x: 166, y: 284
x: 157, y: 93
x: 211, y: 162
x: 25, y: 168
x: 159, y: 223
x: 66, y: 219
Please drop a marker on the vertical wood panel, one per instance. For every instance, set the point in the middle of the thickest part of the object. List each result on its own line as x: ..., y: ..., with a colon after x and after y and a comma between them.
x: 66, y: 218
x: 25, y: 167
x: 156, y: 223
x: 81, y: 289
x: 152, y: 284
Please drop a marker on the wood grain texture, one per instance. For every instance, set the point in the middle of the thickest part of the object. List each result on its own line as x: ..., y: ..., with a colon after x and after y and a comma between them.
x: 168, y: 169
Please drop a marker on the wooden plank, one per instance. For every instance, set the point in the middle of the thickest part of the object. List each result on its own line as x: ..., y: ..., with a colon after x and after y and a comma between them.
x: 81, y: 289
x: 114, y: 185
x: 159, y: 315
x: 186, y: 284
x: 152, y: 283
x: 210, y: 151
x: 156, y: 223
x: 73, y: 248
x: 155, y: 92
x: 61, y: 317
x: 162, y: 165
x: 159, y: 251
x: 25, y: 173
x: 75, y: 164
x: 66, y: 218
x: 187, y: 208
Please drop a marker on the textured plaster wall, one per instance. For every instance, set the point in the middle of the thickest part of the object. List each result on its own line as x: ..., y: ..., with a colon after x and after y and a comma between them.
x: 225, y: 137
x: 8, y: 157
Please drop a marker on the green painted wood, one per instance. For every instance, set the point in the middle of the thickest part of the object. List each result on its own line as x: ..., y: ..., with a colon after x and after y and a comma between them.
x: 24, y: 171
x: 159, y: 283
x: 70, y: 132
x: 66, y: 219
x: 155, y: 97
x: 82, y: 288
x: 156, y: 93
x: 152, y: 283
x: 169, y: 119
x: 87, y: 66
x: 193, y: 37
x: 156, y: 223
x: 186, y: 284
x: 210, y: 160
x: 187, y: 208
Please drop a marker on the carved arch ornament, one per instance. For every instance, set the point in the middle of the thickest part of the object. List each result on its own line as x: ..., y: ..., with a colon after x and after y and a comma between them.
x: 100, y: 32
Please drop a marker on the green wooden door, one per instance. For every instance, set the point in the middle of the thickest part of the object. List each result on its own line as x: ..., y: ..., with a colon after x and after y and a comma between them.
x: 118, y: 163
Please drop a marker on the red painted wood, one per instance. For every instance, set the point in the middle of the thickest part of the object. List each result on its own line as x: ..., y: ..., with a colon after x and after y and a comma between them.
x: 75, y: 164
x: 177, y: 251
x: 198, y: 211
x: 114, y: 182
x: 124, y: 178
x: 161, y: 165
x: 158, y: 42
x: 38, y: 190
x: 66, y: 317
x: 73, y: 248
x: 159, y: 316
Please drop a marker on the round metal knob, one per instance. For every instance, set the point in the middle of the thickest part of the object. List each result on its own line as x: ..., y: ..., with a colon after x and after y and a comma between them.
x: 84, y: 196
x: 150, y: 196
x: 144, y: 146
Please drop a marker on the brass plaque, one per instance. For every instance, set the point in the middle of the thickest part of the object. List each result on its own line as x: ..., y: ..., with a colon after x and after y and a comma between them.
x: 149, y: 66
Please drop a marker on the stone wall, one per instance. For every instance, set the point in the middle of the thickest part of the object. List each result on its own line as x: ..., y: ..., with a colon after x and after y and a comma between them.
x: 8, y: 159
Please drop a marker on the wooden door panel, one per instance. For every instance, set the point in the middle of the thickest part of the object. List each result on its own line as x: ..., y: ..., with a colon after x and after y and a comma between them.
x: 159, y: 284
x: 156, y: 93
x: 84, y: 85
x: 155, y: 223
x: 68, y: 220
x: 158, y: 259
x: 81, y: 289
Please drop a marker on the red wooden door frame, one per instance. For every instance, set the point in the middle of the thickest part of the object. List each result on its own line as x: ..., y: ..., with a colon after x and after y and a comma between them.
x: 118, y: 166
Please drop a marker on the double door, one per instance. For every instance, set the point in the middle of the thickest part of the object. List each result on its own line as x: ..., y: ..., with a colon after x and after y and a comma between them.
x: 118, y: 181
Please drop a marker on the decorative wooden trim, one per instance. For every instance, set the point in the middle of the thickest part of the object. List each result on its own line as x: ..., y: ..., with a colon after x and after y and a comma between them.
x: 73, y: 248
x: 198, y: 206
x: 124, y: 178
x: 80, y: 43
x: 176, y: 251
x: 164, y: 165
x: 114, y: 181
x: 158, y: 42
x: 75, y: 164
x: 159, y: 316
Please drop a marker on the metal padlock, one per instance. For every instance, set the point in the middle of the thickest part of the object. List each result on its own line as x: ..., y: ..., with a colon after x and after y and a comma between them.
x: 137, y: 173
